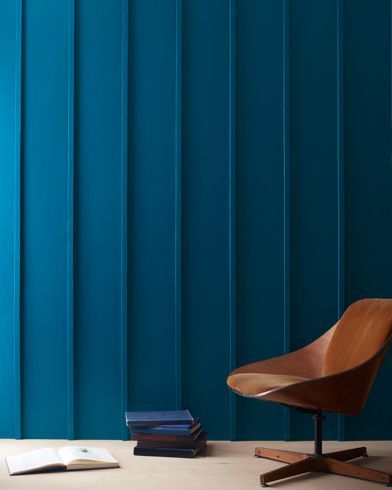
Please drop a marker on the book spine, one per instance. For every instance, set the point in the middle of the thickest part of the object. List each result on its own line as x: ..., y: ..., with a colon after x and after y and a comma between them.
x: 138, y: 436
x: 161, y: 432
x: 154, y: 423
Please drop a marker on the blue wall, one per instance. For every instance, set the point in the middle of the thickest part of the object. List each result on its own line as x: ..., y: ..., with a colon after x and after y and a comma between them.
x: 186, y: 186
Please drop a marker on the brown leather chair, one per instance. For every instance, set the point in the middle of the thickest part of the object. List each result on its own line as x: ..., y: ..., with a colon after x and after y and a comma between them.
x: 332, y: 374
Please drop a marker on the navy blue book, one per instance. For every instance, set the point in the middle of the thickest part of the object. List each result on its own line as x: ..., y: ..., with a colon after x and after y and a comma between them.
x: 151, y: 419
x: 167, y: 430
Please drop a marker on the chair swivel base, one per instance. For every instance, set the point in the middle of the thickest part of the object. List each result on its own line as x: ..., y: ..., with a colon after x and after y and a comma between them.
x: 335, y: 463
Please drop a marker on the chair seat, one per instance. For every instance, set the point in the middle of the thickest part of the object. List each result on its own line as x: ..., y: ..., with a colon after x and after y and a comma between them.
x: 250, y: 384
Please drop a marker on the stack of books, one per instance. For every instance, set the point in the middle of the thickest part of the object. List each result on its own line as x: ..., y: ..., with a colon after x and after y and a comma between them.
x: 171, y: 434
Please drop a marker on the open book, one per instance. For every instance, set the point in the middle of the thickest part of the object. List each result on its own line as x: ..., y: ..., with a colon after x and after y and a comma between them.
x: 65, y: 458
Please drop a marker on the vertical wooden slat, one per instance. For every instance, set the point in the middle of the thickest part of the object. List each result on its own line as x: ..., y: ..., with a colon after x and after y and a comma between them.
x: 178, y: 205
x: 340, y: 173
x: 154, y: 227
x: 100, y: 245
x: 70, y: 216
x: 260, y: 202
x: 124, y: 219
x: 10, y: 208
x: 286, y: 196
x: 17, y: 217
x: 205, y: 231
x: 368, y: 176
x: 314, y: 180
x: 44, y: 204
x: 232, y: 213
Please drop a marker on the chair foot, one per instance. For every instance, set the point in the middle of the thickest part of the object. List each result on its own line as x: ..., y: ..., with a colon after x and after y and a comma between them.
x: 280, y: 455
x: 348, y: 454
x: 292, y: 469
x: 347, y: 469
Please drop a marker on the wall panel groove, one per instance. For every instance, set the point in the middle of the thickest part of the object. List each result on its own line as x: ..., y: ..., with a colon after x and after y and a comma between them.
x: 232, y: 212
x: 341, y: 300
x: 178, y: 208
x: 70, y: 217
x: 17, y: 217
x: 124, y: 217
x: 286, y: 197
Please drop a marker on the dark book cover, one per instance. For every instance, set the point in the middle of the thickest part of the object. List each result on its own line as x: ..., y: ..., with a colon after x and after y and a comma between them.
x: 163, y: 452
x: 189, y: 444
x: 175, y: 430
x: 137, y: 436
x: 150, y: 419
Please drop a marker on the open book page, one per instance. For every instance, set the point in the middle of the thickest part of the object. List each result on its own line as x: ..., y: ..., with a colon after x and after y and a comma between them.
x: 75, y: 457
x: 38, y: 460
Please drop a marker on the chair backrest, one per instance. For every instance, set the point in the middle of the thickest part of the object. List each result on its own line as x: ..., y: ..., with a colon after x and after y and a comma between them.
x: 364, y: 328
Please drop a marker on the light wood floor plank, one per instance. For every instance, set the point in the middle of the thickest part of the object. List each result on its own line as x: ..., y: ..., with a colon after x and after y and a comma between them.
x: 228, y: 466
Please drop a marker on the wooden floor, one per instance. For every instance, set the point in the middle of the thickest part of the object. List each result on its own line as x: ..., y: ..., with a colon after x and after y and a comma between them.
x: 228, y: 466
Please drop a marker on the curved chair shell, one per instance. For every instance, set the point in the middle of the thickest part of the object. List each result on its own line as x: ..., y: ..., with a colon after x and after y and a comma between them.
x: 297, y: 379
x: 345, y: 392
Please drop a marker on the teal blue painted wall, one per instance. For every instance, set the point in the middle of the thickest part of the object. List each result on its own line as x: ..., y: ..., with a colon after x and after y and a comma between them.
x: 186, y: 186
